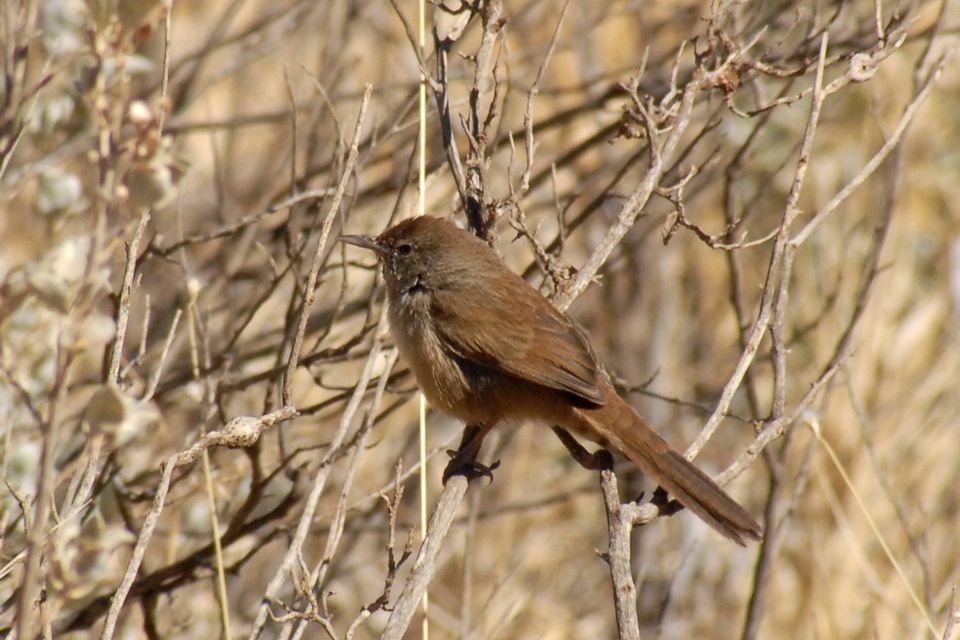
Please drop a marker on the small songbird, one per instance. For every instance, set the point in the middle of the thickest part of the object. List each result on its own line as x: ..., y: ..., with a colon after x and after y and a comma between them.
x: 487, y: 347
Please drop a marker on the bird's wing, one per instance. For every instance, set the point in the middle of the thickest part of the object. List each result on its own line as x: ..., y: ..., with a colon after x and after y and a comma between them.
x: 489, y: 327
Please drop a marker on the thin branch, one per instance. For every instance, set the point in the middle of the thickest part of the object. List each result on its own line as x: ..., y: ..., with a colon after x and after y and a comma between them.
x: 620, y: 521
x: 309, y: 290
x: 426, y: 562
x: 240, y: 432
x: 776, y: 265
x: 892, y: 142
x: 292, y: 555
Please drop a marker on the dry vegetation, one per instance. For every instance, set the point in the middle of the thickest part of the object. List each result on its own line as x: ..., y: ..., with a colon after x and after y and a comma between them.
x: 205, y: 429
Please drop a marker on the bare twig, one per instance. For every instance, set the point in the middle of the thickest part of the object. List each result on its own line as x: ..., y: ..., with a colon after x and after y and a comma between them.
x: 426, y: 562
x: 531, y: 95
x: 620, y: 521
x: 953, y: 617
x: 123, y: 305
x: 776, y: 266
x: 892, y: 142
x: 319, y: 574
x: 661, y: 155
x: 309, y: 289
x: 239, y: 432
x: 319, y: 484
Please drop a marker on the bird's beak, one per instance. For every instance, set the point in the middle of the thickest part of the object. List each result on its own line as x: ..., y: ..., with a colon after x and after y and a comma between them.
x: 363, y: 241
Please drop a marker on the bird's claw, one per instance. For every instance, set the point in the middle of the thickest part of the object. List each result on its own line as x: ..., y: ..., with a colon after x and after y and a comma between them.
x: 469, y: 469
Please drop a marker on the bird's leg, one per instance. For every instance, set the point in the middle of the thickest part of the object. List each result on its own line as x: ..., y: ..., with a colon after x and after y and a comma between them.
x: 601, y: 459
x: 583, y: 457
x: 463, y: 461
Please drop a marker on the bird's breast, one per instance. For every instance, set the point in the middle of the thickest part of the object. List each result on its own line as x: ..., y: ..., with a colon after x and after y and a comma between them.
x: 438, y: 373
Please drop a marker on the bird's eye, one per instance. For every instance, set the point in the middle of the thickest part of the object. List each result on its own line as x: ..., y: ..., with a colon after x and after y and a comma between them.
x: 404, y: 249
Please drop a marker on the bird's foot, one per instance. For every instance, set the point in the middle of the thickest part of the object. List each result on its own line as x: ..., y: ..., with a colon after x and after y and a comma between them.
x: 664, y: 503
x: 469, y: 468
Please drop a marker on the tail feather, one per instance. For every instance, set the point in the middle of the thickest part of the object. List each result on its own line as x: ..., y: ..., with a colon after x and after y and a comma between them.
x: 696, y: 491
x: 617, y: 425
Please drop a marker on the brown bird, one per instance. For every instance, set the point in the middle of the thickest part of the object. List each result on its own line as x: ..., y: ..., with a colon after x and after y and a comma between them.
x: 487, y: 347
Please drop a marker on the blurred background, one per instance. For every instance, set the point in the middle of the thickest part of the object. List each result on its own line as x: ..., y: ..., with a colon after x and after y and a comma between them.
x: 171, y: 171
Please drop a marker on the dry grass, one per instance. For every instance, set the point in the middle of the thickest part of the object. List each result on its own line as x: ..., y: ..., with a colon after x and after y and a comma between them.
x: 178, y: 194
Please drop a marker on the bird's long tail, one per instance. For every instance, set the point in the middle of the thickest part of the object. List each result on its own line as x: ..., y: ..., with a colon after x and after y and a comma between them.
x: 618, y: 426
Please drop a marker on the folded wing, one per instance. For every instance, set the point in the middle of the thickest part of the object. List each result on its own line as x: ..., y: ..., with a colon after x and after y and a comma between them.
x: 551, y: 351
